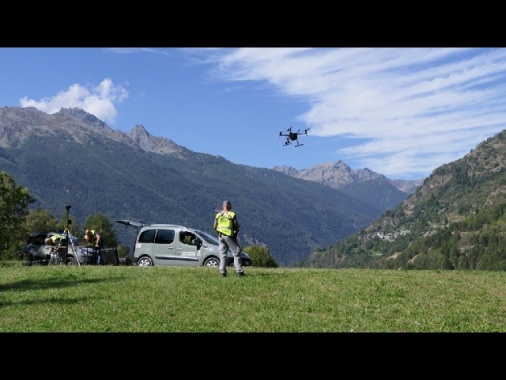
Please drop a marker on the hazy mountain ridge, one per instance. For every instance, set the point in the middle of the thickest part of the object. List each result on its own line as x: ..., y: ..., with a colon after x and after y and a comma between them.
x: 408, y: 186
x: 333, y: 174
x: 337, y: 175
x: 364, y: 184
x: 455, y: 220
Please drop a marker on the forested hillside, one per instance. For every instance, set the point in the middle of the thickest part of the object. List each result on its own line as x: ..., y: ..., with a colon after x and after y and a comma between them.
x: 456, y: 220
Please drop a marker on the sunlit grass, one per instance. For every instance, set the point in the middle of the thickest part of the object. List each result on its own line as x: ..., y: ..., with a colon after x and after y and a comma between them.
x: 190, y: 299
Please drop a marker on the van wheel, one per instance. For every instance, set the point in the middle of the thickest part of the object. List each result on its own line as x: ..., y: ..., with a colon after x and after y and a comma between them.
x: 212, y: 262
x: 145, y: 261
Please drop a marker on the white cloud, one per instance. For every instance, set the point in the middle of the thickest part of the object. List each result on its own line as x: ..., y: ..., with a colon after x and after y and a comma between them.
x: 403, y: 110
x: 99, y: 100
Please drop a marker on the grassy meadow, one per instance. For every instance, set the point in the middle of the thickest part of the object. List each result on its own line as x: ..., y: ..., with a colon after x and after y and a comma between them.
x: 196, y: 299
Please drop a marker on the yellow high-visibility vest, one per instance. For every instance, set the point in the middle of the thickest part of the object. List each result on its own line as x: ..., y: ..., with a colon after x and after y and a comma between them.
x: 225, y: 222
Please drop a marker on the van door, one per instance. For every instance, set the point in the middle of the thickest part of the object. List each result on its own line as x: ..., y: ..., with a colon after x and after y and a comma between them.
x: 164, y: 250
x: 187, y: 248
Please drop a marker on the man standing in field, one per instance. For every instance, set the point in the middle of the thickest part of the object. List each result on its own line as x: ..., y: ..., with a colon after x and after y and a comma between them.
x: 227, y: 226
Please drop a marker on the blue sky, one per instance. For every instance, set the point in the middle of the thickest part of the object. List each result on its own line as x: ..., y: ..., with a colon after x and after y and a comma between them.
x: 400, y: 112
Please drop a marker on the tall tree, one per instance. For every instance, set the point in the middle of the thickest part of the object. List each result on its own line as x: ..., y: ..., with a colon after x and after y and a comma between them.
x: 40, y: 220
x: 14, y: 202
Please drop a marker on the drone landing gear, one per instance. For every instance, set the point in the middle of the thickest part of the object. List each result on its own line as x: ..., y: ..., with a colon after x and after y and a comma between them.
x: 293, y: 136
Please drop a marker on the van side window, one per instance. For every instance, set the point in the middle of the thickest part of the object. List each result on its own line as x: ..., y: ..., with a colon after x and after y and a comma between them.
x: 186, y: 237
x: 164, y: 237
x: 147, y: 236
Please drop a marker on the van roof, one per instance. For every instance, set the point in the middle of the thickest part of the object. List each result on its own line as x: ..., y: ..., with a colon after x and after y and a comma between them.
x: 142, y: 224
x: 164, y: 225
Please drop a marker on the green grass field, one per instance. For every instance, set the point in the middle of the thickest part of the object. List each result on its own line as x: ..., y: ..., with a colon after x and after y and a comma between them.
x: 197, y: 299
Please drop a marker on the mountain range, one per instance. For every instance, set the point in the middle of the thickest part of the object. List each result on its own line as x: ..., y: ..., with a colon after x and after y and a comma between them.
x: 364, y: 184
x: 72, y: 158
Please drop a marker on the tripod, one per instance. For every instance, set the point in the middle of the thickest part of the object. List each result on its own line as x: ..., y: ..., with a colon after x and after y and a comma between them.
x: 60, y: 256
x: 57, y: 255
x: 74, y: 250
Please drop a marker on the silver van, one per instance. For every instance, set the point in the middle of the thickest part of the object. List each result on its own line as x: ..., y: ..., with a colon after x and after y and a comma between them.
x: 176, y: 245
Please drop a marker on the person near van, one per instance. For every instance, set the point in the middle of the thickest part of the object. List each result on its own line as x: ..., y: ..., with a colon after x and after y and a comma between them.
x: 93, y: 238
x: 54, y: 240
x: 227, y: 226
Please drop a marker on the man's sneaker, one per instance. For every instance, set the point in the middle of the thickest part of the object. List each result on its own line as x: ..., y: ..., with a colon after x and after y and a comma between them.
x: 240, y: 274
x: 223, y: 274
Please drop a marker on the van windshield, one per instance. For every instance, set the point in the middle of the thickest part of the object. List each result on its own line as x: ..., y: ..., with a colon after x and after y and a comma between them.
x: 207, y: 237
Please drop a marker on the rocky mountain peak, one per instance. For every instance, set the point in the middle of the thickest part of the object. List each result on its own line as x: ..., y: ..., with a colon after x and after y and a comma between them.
x: 139, y: 133
x: 337, y: 174
x: 149, y: 143
x: 82, y: 115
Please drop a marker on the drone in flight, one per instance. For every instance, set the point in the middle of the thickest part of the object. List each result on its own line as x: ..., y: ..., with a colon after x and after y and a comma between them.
x: 293, y: 136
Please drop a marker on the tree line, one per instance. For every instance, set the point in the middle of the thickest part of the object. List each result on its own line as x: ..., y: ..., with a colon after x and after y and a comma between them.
x: 18, y: 221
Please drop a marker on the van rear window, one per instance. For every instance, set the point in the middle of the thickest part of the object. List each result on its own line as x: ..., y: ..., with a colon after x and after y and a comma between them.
x: 147, y: 236
x: 164, y: 236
